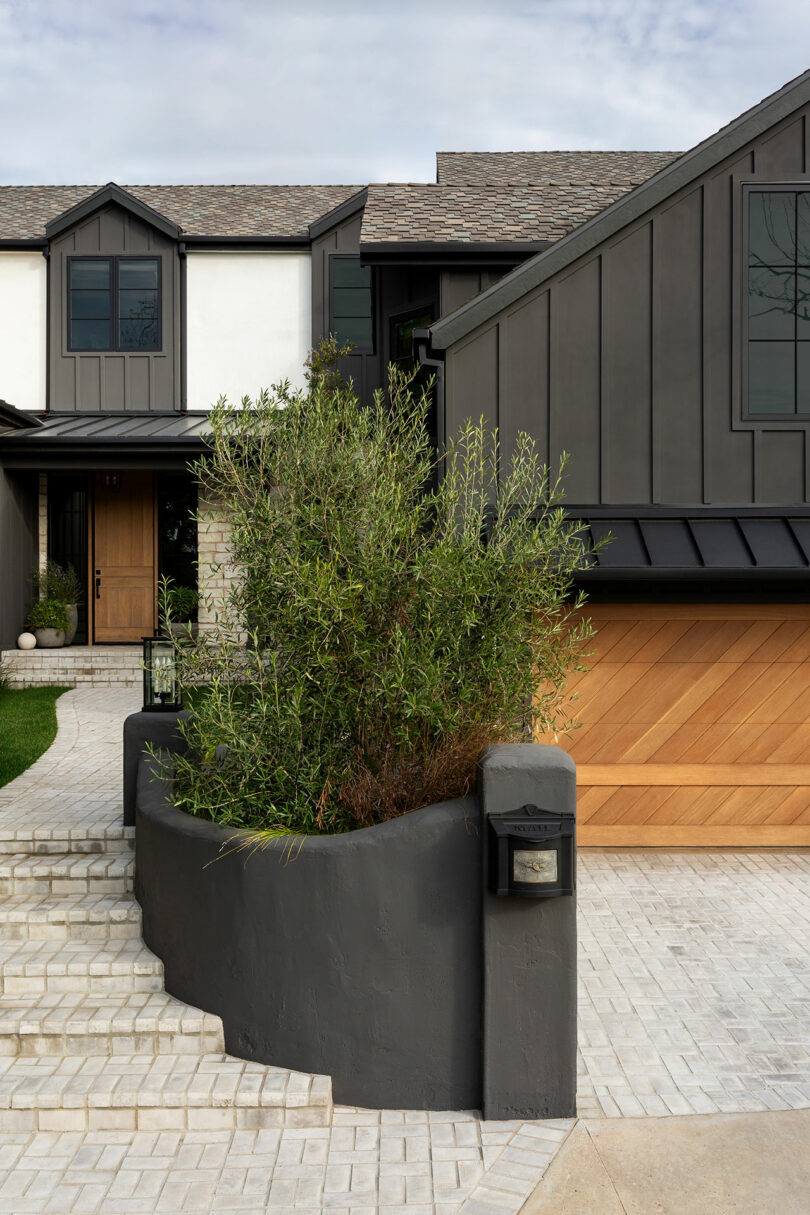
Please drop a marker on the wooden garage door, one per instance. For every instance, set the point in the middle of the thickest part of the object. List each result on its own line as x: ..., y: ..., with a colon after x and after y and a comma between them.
x: 696, y: 726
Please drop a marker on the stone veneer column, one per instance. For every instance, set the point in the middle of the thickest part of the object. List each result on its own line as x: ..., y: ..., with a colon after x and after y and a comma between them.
x: 216, y: 570
x: 43, y: 523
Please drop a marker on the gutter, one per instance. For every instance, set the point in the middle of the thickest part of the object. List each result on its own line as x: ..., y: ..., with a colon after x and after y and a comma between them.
x: 427, y: 358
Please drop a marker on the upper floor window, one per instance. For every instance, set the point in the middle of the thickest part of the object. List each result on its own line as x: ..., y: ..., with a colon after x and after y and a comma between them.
x: 113, y: 303
x: 778, y: 269
x: 352, y: 317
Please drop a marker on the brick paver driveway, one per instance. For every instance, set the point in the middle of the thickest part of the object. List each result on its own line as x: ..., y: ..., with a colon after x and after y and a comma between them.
x: 694, y: 981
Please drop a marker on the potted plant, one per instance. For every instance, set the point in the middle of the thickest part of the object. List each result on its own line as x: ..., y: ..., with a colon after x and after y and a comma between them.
x: 49, y: 621
x: 62, y: 584
x: 178, y: 609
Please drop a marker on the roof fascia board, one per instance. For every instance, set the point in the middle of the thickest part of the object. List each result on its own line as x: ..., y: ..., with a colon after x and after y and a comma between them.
x: 214, y: 243
x: 624, y: 211
x: 338, y: 214
x: 471, y: 252
x: 20, y: 419
x: 107, y: 194
x: 22, y: 243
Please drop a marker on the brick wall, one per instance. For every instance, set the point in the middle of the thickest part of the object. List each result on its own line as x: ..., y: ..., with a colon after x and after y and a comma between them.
x: 216, y: 571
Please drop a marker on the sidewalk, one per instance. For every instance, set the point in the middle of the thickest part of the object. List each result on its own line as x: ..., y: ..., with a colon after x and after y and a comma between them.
x: 720, y: 1164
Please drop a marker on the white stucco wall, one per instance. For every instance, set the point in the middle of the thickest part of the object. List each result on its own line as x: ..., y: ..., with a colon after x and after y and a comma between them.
x: 23, y: 295
x: 249, y: 323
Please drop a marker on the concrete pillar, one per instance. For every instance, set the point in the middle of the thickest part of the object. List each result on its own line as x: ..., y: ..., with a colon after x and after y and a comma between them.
x: 529, y: 1036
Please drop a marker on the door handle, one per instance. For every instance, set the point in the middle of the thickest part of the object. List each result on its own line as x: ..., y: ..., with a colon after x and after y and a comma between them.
x: 98, y: 588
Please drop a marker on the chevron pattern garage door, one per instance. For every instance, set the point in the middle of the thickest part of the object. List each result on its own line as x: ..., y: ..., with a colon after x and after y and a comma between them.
x: 695, y: 726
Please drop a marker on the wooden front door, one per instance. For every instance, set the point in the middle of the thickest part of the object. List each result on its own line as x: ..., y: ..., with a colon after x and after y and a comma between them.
x: 695, y: 726
x: 124, y: 584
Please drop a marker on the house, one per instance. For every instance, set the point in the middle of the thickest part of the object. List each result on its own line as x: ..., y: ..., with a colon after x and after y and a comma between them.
x: 126, y: 312
x: 665, y: 345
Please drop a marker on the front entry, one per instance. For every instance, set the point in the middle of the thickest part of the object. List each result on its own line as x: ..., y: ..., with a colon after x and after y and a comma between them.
x: 124, y: 565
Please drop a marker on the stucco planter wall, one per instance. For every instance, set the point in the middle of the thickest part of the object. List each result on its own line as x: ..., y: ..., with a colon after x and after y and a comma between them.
x: 378, y: 957
x: 359, y: 956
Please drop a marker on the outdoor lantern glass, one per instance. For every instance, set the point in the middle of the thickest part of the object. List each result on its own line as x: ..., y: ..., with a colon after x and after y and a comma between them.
x: 160, y: 687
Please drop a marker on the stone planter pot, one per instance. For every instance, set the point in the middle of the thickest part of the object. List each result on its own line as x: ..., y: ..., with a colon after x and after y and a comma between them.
x: 50, y: 639
x: 73, y: 617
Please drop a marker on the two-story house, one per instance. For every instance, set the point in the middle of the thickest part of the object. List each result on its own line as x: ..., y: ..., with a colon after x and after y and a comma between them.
x: 126, y: 312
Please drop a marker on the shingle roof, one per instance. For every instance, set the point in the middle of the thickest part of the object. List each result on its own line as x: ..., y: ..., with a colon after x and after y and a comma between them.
x: 481, y: 213
x: 624, y: 169
x: 198, y: 210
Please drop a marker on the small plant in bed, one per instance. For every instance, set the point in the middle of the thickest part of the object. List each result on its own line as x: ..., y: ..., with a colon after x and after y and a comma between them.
x: 390, y: 618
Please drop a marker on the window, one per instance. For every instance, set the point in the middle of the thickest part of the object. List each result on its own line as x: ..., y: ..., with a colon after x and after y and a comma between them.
x: 778, y: 291
x: 352, y: 315
x: 113, y: 303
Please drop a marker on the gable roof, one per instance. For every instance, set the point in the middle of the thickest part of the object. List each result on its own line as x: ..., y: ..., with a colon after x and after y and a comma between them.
x: 600, y: 169
x: 26, y: 212
x: 681, y: 172
x: 111, y: 193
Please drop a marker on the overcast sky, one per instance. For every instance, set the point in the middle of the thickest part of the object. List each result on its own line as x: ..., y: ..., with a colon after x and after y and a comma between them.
x: 367, y: 90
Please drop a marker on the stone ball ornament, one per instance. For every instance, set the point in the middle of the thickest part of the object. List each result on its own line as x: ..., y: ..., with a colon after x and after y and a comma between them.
x: 26, y: 641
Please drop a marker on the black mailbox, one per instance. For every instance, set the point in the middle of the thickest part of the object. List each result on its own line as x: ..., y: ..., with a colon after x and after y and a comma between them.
x: 531, y: 853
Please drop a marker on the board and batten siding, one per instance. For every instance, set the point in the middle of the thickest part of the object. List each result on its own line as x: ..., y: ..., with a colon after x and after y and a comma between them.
x: 89, y: 381
x: 23, y: 305
x: 248, y: 323
x: 630, y: 359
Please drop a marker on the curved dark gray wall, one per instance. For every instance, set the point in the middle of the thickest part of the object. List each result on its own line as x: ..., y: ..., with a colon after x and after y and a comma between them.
x: 360, y: 956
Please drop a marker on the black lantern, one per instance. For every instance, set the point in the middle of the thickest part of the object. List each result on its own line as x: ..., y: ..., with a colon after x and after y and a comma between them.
x: 531, y: 853
x: 160, y: 688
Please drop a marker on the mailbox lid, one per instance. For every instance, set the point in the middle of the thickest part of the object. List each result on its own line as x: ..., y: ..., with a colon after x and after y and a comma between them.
x: 532, y: 823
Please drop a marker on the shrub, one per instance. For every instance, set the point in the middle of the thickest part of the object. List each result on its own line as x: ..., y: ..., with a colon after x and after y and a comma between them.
x: 49, y: 614
x: 56, y: 582
x: 393, y: 630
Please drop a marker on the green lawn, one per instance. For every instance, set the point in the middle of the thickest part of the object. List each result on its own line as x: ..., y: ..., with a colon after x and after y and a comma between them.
x: 27, y: 727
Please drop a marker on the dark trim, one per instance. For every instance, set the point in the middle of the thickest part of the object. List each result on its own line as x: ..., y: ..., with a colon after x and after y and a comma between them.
x: 245, y: 242
x: 715, y: 573
x: 687, y: 512
x: 181, y: 253
x: 46, y: 253
x: 638, y: 202
x: 438, y: 253
x: 350, y: 206
x: 20, y: 419
x: 111, y: 193
x: 170, y: 459
x: 23, y: 243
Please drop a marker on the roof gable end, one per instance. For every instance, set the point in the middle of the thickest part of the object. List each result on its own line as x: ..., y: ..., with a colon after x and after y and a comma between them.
x: 724, y: 143
x: 111, y: 193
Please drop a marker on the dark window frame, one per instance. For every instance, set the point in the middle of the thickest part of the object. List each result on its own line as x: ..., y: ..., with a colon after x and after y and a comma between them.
x: 353, y: 257
x: 115, y: 346
x: 747, y: 414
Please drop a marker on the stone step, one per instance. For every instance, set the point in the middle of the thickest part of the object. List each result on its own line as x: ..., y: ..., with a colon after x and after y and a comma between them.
x: 69, y: 917
x: 72, y: 1023
x: 31, y: 968
x: 53, y: 841
x: 208, y: 1092
x: 71, y: 873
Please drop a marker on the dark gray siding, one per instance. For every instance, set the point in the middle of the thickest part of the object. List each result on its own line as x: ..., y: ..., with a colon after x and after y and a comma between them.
x: 137, y: 382
x: 461, y: 283
x: 630, y: 359
x: 18, y: 524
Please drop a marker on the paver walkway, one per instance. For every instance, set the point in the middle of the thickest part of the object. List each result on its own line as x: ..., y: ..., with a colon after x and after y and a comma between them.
x: 114, y: 1097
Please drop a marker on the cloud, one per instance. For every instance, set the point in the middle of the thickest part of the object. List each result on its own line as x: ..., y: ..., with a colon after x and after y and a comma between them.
x: 367, y: 90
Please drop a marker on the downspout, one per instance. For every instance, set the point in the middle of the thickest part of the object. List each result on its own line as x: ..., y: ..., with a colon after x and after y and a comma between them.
x: 46, y: 253
x: 181, y: 253
x: 435, y: 361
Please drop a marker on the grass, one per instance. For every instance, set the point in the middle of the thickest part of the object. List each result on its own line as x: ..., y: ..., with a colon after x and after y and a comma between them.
x: 27, y: 727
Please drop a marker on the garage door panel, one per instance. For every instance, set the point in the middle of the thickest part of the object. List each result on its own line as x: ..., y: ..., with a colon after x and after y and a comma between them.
x: 697, y: 699
x: 663, y: 639
x: 609, y: 635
